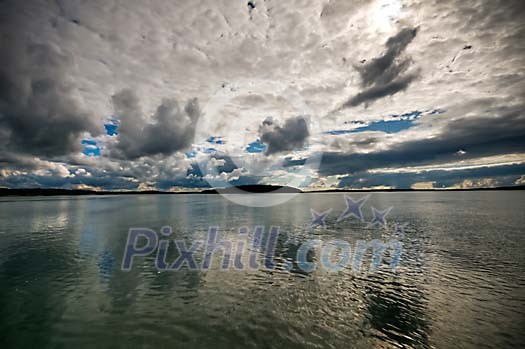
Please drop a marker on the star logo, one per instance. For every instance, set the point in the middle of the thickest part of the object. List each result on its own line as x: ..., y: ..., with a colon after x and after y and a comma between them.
x: 379, y: 216
x: 353, y: 208
x: 319, y: 218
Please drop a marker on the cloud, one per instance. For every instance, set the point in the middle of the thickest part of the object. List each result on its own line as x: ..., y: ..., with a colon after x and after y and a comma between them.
x: 292, y: 135
x: 383, y: 75
x: 505, y: 175
x: 172, y: 128
x: 38, y: 113
x: 380, y: 91
x: 502, y: 132
x: 63, y: 60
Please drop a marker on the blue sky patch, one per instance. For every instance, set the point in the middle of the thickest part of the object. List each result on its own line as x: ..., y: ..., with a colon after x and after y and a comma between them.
x: 386, y: 126
x: 92, y: 151
x: 111, y: 129
x: 88, y: 142
x: 382, y: 126
x: 215, y: 140
x: 209, y: 150
x: 91, y: 147
x: 256, y: 147
x: 402, y: 122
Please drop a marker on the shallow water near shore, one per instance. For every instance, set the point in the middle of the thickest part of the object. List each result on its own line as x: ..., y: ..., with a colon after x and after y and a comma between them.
x: 460, y: 281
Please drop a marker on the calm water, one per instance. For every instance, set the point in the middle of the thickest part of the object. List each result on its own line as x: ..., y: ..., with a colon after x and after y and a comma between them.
x: 460, y: 282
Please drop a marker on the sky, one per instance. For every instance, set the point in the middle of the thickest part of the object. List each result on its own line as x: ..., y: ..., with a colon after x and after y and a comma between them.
x: 184, y: 95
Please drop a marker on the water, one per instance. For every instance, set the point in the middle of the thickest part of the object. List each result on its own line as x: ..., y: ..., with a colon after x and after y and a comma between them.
x: 460, y: 282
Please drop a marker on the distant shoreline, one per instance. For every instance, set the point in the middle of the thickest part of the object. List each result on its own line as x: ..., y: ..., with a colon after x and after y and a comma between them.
x: 253, y: 189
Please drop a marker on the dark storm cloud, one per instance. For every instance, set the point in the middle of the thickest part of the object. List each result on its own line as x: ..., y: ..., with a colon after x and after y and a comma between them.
x: 172, y: 128
x: 383, y: 75
x: 385, y: 68
x: 501, y: 175
x: 478, y: 136
x: 108, y: 181
x: 381, y: 91
x: 38, y: 114
x: 195, y: 178
x: 228, y: 166
x: 201, y: 183
x: 280, y: 139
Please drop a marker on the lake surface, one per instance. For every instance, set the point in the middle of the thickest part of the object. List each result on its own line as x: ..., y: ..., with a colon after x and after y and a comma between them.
x: 460, y: 281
